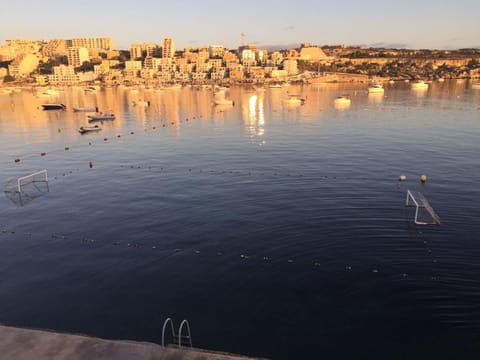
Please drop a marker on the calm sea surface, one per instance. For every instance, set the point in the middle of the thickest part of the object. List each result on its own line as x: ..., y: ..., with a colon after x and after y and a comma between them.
x: 276, y: 231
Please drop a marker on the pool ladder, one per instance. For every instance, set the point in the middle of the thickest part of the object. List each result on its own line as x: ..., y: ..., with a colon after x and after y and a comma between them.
x: 178, y: 338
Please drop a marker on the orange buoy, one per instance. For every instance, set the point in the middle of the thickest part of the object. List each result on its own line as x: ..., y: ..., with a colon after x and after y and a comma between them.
x: 90, y: 164
x: 17, y: 160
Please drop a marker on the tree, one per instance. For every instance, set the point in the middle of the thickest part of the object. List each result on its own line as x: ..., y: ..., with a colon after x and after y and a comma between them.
x: 8, y: 78
x: 85, y: 67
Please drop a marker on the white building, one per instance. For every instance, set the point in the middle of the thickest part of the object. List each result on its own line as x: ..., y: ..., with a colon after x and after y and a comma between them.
x: 77, y: 56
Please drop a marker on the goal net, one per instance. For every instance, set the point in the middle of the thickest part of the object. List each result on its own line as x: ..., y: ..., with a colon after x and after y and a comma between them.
x: 27, y: 188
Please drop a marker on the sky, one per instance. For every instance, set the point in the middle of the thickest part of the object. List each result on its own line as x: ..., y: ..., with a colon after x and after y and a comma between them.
x: 413, y: 24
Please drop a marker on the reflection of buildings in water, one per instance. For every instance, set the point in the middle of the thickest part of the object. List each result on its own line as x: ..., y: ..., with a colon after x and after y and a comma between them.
x: 254, y: 115
x: 420, y: 93
x: 375, y: 98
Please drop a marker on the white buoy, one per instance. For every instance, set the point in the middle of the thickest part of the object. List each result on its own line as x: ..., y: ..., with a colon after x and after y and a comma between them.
x: 402, y: 178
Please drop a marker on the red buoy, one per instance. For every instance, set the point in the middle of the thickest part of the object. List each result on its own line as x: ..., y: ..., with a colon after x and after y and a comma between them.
x: 131, y: 133
x: 17, y: 160
x: 67, y: 148
x: 90, y: 164
x: 119, y: 136
x: 43, y: 154
x: 105, y: 139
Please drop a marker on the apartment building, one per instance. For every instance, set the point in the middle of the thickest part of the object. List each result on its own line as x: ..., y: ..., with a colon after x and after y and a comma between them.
x: 168, y: 50
x: 105, y: 43
x: 77, y: 56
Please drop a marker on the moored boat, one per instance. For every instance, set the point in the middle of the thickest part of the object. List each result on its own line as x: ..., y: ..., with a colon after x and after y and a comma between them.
x: 376, y: 88
x: 85, y: 129
x: 476, y: 86
x: 419, y: 85
x: 85, y: 109
x: 294, y: 100
x: 53, y: 107
x: 342, y: 100
x: 101, y: 117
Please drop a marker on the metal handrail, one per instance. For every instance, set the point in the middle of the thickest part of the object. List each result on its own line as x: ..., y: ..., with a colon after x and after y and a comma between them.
x: 189, y: 336
x: 163, y: 330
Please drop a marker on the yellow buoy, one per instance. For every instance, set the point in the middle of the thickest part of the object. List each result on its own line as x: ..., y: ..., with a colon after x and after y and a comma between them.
x: 423, y: 178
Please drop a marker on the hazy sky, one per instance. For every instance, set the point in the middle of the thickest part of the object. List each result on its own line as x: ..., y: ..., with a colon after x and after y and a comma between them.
x: 441, y: 24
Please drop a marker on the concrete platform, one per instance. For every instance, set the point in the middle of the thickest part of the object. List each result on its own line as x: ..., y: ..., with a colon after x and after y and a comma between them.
x: 27, y: 344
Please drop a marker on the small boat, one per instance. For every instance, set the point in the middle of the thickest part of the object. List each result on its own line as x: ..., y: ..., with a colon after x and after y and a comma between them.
x: 53, y: 107
x: 342, y: 100
x: 294, y: 100
x: 376, y: 88
x: 419, y: 85
x: 476, y: 86
x: 101, y: 117
x: 85, y: 129
x: 275, y: 86
x: 85, y: 109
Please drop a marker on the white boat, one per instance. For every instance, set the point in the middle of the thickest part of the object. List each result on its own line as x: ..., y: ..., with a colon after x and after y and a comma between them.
x: 275, y: 86
x: 101, y: 117
x: 476, y: 86
x: 342, y: 100
x: 85, y: 129
x: 294, y: 100
x: 376, y: 88
x: 419, y: 85
x: 85, y: 109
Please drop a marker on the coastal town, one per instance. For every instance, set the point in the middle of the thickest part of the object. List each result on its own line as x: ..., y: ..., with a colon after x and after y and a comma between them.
x: 86, y: 61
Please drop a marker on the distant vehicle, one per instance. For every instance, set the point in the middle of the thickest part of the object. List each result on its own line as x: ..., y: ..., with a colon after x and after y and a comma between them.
x: 85, y: 129
x: 53, y: 107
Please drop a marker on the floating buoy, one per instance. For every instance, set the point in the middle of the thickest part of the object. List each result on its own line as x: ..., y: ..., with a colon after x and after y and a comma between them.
x: 119, y: 136
x: 59, y: 130
x: 17, y: 160
x: 105, y: 139
x: 89, y: 143
x: 402, y: 178
x: 67, y: 148
x: 423, y: 178
x: 131, y: 133
x: 43, y: 154
x: 90, y: 164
